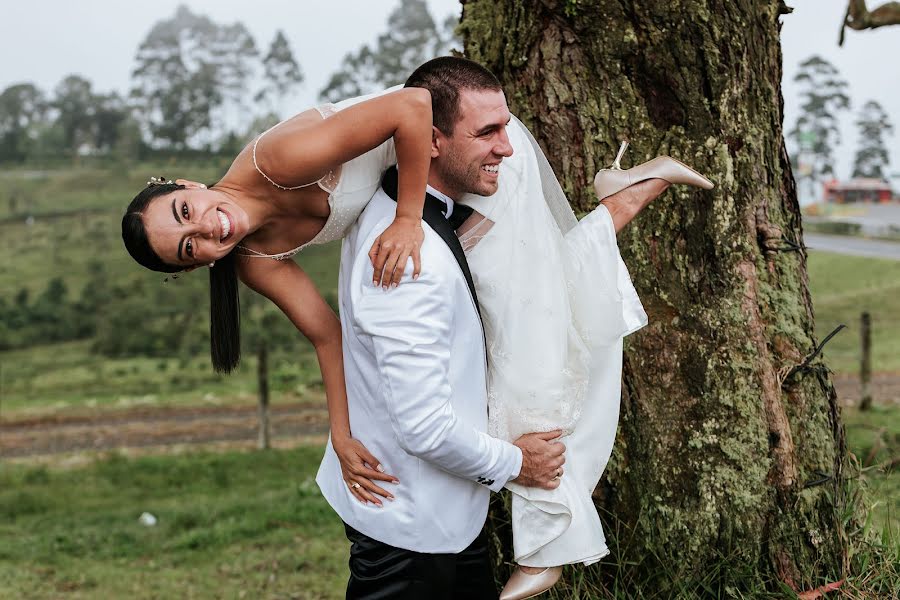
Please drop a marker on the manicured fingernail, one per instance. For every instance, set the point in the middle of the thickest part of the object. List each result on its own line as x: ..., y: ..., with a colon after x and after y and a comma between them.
x: 416, y: 276
x: 391, y: 498
x: 380, y: 469
x: 396, y: 481
x: 395, y: 284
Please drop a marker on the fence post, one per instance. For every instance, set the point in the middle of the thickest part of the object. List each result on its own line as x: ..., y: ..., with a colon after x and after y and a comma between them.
x: 865, y: 365
x: 262, y: 375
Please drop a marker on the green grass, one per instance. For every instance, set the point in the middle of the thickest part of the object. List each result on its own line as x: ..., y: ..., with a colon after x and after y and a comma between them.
x: 68, y: 378
x: 842, y: 287
x: 873, y: 436
x: 231, y: 523
x: 254, y: 523
x: 76, y: 231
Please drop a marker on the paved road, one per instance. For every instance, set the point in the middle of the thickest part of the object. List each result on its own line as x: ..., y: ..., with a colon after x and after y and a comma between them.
x: 855, y: 246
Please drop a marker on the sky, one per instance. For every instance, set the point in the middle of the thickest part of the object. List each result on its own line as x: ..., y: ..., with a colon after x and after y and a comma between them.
x: 42, y: 41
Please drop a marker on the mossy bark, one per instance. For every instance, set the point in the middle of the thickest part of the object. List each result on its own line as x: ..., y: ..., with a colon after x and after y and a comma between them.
x: 725, y: 471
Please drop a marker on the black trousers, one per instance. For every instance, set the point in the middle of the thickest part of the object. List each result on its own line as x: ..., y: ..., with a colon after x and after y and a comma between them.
x: 382, y: 572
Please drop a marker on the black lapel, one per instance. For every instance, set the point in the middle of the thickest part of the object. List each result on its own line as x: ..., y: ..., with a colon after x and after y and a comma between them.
x: 433, y: 214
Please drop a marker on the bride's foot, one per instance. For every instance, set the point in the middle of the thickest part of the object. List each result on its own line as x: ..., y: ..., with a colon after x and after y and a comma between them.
x: 528, y: 582
x: 615, y: 181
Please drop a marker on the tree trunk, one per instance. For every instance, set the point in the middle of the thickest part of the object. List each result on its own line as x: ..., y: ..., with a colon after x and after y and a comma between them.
x: 726, y: 472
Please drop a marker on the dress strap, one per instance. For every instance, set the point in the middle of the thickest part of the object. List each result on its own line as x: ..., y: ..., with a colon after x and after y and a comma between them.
x: 269, y: 179
x: 328, y: 182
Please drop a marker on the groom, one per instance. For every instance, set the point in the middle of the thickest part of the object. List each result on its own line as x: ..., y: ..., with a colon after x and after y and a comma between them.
x: 415, y: 368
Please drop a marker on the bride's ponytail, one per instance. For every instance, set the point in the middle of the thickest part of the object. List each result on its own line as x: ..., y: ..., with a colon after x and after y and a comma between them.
x: 224, y: 314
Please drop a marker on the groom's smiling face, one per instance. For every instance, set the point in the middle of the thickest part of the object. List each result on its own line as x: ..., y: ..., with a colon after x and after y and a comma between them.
x: 469, y: 159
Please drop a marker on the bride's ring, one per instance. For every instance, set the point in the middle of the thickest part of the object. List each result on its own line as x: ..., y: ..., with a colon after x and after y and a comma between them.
x: 355, y: 485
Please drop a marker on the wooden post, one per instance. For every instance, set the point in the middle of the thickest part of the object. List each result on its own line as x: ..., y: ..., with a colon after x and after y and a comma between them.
x: 865, y: 366
x: 262, y: 374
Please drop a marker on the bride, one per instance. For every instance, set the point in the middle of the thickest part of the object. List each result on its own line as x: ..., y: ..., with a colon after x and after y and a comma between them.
x: 555, y: 296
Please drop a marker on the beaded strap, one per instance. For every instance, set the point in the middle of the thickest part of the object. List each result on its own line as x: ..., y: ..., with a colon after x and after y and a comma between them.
x: 269, y: 179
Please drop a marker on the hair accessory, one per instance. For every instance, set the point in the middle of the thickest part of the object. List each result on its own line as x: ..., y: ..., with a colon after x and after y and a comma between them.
x: 159, y: 181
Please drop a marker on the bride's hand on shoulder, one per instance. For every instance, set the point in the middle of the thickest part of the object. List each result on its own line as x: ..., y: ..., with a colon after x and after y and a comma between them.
x: 360, y: 469
x: 401, y: 240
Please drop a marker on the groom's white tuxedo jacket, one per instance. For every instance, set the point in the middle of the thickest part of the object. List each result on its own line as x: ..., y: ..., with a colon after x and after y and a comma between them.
x: 414, y: 363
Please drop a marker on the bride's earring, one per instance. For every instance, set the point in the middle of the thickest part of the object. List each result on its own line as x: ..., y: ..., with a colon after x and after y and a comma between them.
x: 212, y: 264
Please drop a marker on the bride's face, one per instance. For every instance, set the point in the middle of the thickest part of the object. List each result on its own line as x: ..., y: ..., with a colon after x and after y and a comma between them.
x: 194, y: 226
x: 469, y: 160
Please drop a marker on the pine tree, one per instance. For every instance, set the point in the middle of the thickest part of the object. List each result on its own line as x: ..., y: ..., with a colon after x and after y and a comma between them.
x: 412, y: 37
x: 872, y: 157
x: 282, y: 74
x: 817, y: 130
x: 191, y: 78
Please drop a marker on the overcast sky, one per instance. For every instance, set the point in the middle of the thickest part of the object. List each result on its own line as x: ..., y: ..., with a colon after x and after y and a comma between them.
x: 44, y: 40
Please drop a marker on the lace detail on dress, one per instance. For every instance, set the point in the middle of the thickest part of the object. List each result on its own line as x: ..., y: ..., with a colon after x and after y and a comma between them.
x: 331, y: 179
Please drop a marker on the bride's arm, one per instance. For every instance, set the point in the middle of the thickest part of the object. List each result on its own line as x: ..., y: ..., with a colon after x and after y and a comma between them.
x: 285, y: 284
x: 297, y: 152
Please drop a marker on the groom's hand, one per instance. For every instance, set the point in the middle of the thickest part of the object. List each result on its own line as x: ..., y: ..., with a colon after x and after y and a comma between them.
x: 542, y: 460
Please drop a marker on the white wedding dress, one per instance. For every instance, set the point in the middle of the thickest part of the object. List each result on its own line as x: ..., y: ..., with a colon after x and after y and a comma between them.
x: 556, y: 300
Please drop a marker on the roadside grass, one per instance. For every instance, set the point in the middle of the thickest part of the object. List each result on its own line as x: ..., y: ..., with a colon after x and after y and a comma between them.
x: 235, y: 525
x: 843, y: 287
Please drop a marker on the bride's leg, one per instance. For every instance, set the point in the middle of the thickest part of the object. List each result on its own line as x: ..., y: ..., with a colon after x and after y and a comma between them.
x: 624, y: 205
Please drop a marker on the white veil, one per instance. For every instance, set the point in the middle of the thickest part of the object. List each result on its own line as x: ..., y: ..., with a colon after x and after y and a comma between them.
x: 541, y: 312
x: 556, y: 300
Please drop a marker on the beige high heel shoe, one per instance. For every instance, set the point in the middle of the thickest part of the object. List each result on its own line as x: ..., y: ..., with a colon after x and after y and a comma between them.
x: 523, y: 585
x: 615, y: 178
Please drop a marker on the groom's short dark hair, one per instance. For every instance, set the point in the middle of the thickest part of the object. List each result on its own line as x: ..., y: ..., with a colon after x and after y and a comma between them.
x: 444, y: 77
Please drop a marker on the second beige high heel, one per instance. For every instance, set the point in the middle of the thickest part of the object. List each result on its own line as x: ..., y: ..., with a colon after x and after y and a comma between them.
x: 615, y: 178
x: 523, y: 585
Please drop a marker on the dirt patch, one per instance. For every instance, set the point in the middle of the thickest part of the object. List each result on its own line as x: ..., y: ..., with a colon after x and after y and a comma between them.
x: 149, y: 427
x: 885, y: 388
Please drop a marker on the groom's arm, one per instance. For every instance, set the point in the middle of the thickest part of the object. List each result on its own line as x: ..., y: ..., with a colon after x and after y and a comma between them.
x: 409, y: 330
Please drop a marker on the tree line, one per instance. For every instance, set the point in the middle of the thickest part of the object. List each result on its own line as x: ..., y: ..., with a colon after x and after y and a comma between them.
x: 202, y: 86
x: 824, y: 97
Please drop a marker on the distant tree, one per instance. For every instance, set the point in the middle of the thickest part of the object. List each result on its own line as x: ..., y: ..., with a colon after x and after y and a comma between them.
x: 872, y: 157
x: 74, y: 105
x: 282, y: 74
x: 412, y: 37
x: 188, y: 68
x: 22, y: 108
x: 816, y: 132
x: 111, y: 114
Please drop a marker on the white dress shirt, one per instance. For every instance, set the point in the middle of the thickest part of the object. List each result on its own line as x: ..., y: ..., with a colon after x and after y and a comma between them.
x: 414, y: 363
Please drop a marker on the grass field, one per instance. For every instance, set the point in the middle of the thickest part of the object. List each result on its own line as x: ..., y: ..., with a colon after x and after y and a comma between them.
x: 235, y: 524
x: 229, y: 525
x: 842, y: 287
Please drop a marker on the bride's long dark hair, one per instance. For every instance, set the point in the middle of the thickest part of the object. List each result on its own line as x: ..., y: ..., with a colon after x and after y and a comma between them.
x: 224, y: 304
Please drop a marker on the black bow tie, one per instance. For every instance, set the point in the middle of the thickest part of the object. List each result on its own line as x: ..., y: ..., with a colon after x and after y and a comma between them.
x: 460, y: 212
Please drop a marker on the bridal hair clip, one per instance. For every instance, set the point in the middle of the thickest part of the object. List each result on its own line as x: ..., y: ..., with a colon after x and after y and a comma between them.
x: 159, y: 181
